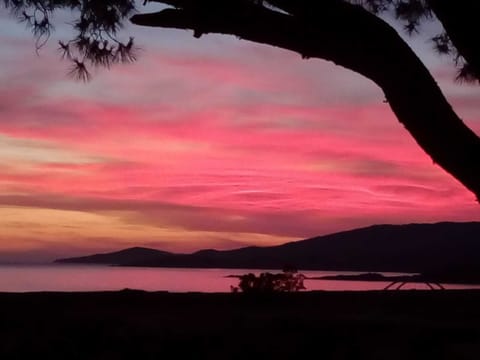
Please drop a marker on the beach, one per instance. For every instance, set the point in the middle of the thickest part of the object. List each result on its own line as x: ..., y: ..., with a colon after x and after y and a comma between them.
x: 131, y: 324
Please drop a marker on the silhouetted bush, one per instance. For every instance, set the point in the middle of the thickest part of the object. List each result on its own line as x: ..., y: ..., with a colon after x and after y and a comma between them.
x: 287, y: 281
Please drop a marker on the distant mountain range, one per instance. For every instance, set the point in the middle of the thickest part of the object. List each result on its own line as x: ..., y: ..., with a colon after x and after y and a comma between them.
x: 396, y: 248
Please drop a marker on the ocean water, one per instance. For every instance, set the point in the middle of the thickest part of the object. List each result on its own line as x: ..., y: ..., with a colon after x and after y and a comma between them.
x: 53, y: 277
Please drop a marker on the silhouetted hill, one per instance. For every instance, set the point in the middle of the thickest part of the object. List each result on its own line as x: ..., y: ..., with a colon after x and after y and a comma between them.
x: 402, y: 248
x: 133, y: 254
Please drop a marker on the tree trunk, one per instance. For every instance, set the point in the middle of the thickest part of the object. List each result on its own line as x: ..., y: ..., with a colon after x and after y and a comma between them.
x: 351, y: 37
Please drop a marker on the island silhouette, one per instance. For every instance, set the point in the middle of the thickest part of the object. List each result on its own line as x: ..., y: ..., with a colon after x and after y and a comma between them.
x: 445, y: 252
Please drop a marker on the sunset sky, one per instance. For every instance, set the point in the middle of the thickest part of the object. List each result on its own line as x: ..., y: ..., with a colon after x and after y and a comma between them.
x: 206, y: 143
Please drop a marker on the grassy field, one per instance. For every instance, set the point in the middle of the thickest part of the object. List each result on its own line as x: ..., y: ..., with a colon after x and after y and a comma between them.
x: 312, y: 325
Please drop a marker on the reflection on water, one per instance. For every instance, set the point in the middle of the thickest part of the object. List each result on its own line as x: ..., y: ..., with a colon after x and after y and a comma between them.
x: 94, y: 278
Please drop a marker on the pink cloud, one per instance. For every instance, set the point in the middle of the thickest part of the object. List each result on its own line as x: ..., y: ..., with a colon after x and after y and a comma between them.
x: 208, y: 148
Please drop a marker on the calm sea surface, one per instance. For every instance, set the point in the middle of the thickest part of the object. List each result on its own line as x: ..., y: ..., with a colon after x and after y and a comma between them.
x: 22, y: 278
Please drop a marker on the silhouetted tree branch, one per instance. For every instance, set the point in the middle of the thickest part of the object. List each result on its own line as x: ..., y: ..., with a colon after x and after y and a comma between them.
x: 460, y: 20
x: 95, y: 43
x: 361, y: 42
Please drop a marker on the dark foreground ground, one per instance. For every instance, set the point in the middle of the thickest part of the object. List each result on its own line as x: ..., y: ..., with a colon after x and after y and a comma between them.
x: 315, y: 325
